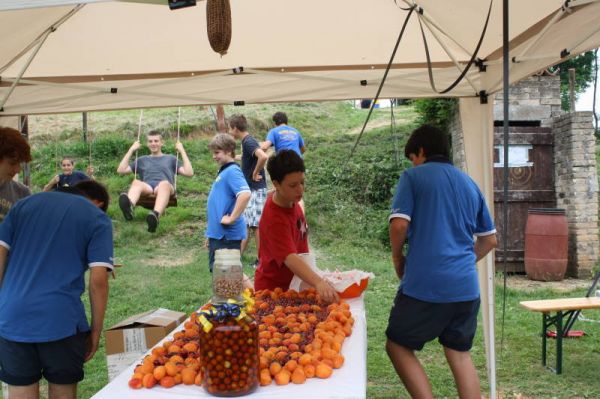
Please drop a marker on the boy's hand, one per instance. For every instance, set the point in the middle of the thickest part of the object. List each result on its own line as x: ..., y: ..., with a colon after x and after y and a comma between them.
x: 399, y: 266
x: 179, y: 147
x: 227, y: 220
x: 327, y: 292
x: 135, y: 146
x: 206, y: 243
x: 55, y: 180
x: 256, y: 176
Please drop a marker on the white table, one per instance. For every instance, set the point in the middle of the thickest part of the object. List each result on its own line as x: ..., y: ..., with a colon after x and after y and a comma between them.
x: 348, y: 382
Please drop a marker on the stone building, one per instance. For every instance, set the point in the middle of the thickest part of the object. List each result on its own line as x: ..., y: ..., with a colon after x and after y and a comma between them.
x: 552, y: 164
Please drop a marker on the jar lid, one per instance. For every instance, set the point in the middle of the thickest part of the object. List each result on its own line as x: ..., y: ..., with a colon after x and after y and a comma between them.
x: 227, y: 254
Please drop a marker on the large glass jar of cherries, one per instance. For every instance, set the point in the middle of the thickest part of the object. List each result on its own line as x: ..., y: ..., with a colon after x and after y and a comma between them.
x: 229, y: 349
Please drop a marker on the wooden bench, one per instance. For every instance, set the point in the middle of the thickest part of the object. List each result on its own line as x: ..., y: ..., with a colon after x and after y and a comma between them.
x: 563, y: 308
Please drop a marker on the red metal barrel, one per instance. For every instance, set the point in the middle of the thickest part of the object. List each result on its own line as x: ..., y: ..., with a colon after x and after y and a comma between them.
x: 546, y: 244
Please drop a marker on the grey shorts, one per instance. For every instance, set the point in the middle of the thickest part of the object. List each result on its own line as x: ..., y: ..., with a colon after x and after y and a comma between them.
x: 255, y: 207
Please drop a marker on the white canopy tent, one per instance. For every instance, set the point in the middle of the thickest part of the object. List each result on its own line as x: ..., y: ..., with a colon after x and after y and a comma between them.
x: 64, y: 56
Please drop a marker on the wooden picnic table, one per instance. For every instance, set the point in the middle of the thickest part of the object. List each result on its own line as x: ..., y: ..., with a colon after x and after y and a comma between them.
x: 562, y: 307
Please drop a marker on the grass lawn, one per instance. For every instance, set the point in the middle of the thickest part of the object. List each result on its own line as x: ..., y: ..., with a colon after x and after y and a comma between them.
x: 347, y: 202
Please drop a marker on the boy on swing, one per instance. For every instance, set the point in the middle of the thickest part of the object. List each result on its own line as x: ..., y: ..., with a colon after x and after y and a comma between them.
x: 155, y: 175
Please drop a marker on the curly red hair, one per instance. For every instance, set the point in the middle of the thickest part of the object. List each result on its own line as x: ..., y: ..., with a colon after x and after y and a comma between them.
x: 13, y: 145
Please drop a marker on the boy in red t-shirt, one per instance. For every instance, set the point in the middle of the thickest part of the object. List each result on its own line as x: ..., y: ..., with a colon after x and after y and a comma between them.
x: 283, y: 230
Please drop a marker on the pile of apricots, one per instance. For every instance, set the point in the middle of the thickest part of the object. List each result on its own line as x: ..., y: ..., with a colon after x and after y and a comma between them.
x: 300, y: 337
x: 175, y: 362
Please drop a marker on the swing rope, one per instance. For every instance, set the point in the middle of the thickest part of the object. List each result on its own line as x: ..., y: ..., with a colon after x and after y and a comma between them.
x: 177, y: 152
x: 138, y: 139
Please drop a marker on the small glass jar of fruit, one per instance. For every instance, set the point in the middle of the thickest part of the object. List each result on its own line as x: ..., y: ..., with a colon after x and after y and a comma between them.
x: 229, y: 349
x: 227, y: 276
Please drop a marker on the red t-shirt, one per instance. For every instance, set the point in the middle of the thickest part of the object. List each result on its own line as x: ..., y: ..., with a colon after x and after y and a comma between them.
x: 282, y: 231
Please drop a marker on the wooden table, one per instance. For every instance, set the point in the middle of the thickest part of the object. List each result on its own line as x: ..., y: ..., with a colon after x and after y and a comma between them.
x: 563, y: 307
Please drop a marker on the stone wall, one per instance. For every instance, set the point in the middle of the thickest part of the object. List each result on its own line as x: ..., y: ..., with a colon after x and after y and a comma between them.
x: 536, y: 98
x: 576, y: 183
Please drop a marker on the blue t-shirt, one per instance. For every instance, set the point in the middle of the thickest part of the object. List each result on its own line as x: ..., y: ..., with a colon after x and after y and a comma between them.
x: 285, y: 137
x: 230, y: 183
x: 52, y: 238
x: 446, y: 210
x: 249, y: 161
x: 72, y: 179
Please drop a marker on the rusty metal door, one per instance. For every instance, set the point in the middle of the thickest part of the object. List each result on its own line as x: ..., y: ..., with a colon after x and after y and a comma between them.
x: 530, y: 185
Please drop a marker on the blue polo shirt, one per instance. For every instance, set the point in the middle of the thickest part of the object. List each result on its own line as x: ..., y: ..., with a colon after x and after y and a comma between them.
x: 72, y: 179
x: 52, y: 239
x: 230, y: 183
x: 285, y: 137
x: 446, y: 210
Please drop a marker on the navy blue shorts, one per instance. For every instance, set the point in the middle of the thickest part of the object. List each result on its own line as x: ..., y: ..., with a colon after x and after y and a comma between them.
x: 214, y: 244
x: 412, y: 323
x: 59, y: 362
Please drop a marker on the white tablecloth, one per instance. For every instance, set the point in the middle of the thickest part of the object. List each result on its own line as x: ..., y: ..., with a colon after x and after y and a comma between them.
x: 350, y: 381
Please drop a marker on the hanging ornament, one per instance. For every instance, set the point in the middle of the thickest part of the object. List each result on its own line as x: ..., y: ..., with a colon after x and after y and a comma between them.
x: 218, y: 25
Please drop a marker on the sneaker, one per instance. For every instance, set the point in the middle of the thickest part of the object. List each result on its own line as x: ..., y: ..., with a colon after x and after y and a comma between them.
x: 126, y: 206
x: 152, y: 220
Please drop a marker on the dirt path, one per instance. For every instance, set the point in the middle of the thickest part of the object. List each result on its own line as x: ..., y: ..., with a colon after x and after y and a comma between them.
x: 522, y: 283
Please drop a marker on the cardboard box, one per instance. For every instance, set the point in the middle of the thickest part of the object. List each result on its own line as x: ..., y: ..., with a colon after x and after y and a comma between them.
x: 128, y: 340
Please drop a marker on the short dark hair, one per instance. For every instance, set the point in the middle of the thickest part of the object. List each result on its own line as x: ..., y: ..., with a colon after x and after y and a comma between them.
x: 280, y: 118
x: 13, y: 145
x: 93, y: 190
x: 68, y: 158
x: 431, y: 139
x: 283, y: 163
x: 238, y: 122
x: 155, y: 133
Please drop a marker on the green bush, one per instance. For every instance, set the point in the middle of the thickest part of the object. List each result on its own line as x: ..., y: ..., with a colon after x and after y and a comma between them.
x: 435, y: 111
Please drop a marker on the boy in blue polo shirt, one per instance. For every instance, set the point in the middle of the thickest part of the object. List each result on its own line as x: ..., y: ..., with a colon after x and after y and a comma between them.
x: 227, y: 200
x: 440, y: 210
x: 53, y: 239
x: 283, y: 136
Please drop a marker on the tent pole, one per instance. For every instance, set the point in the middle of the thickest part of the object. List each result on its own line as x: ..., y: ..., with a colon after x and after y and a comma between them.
x: 505, y: 131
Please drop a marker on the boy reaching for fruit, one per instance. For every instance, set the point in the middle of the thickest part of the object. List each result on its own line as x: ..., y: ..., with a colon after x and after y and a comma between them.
x: 443, y: 214
x: 284, y: 232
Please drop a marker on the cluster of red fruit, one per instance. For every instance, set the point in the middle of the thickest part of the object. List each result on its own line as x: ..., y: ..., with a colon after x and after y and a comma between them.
x: 300, y: 336
x: 175, y: 362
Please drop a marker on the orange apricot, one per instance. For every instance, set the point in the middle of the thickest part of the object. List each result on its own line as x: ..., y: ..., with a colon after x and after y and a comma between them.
x: 188, y: 376
x: 135, y: 383
x: 298, y: 376
x: 265, y: 377
x: 305, y: 359
x: 283, y: 377
x: 176, y: 359
x: 198, y: 379
x: 171, y: 369
x: 177, y: 378
x: 328, y: 362
x: 148, y: 381
x: 174, y: 349
x: 291, y: 365
x: 274, y: 368
x: 191, y: 347
x: 146, y: 368
x: 309, y: 370
x: 159, y: 372
x: 338, y: 361
x: 323, y: 370
x: 167, y: 382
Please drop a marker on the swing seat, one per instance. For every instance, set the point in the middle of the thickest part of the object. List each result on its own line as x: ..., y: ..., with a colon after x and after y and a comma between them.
x: 147, y: 201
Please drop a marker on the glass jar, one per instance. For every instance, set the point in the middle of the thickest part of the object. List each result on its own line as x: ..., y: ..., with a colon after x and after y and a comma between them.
x: 228, y: 276
x: 229, y: 356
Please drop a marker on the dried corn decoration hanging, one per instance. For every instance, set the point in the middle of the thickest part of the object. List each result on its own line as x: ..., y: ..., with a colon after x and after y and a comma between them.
x: 218, y: 25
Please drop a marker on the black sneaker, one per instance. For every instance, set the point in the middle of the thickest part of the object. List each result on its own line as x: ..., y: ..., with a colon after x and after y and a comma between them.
x: 126, y: 206
x: 152, y: 220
